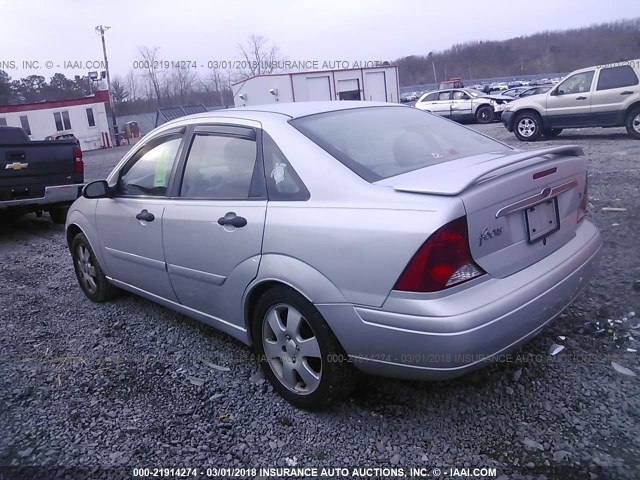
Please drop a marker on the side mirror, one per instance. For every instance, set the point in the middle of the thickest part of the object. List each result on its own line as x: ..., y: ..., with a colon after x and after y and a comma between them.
x: 97, y: 189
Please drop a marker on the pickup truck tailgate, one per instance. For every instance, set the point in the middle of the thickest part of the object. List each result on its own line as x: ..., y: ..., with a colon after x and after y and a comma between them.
x: 27, y: 168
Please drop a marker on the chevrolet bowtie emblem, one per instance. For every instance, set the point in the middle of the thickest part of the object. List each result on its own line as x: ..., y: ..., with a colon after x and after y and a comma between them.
x: 16, y: 166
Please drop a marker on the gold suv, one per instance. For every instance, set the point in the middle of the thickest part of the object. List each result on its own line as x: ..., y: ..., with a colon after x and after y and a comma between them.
x: 600, y: 96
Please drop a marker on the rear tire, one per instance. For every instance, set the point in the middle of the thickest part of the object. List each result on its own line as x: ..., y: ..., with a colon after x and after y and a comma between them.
x: 92, y: 280
x: 633, y: 123
x: 59, y: 215
x: 552, y: 132
x: 484, y: 114
x: 527, y: 126
x: 298, y: 352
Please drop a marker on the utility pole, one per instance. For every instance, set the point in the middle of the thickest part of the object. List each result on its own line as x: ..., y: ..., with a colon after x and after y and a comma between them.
x: 100, y: 31
x: 433, y: 64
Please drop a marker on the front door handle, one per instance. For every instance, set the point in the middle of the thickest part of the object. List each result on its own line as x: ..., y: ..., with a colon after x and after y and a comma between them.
x: 146, y: 216
x: 232, y: 219
x: 581, y: 98
x: 627, y: 92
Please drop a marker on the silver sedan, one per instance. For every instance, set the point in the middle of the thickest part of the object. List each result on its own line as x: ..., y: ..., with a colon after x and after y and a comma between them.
x: 336, y: 237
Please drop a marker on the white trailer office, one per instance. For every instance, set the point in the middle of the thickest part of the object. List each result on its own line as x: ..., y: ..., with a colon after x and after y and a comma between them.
x: 377, y: 84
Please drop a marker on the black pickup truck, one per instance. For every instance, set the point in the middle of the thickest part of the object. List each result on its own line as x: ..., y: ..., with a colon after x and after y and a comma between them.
x: 37, y: 176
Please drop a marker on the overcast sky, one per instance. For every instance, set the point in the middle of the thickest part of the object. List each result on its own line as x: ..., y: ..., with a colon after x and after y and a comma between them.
x: 321, y: 30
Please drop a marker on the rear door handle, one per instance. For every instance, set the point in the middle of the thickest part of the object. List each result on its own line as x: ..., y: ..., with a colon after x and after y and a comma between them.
x: 581, y: 98
x: 146, y: 216
x: 232, y: 219
x: 627, y: 92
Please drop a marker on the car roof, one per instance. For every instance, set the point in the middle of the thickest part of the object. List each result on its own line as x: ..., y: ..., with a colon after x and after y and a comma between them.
x: 293, y: 109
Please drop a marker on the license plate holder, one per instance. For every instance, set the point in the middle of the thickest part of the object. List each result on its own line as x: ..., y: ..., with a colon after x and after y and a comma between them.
x: 542, y: 219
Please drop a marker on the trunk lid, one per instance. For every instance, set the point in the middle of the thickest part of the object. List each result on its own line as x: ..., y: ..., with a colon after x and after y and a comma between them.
x: 521, y: 206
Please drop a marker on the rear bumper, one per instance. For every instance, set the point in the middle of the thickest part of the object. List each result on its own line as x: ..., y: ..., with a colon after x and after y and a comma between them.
x: 507, y: 120
x: 52, y: 195
x: 446, y: 337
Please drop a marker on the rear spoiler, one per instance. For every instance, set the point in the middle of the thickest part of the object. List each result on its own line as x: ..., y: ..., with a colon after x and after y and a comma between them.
x: 452, y: 178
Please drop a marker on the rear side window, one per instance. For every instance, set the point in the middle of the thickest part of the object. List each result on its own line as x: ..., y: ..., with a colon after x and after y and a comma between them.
x: 617, y: 77
x: 283, y: 182
x: 381, y: 142
x: 219, y: 167
x: 432, y: 97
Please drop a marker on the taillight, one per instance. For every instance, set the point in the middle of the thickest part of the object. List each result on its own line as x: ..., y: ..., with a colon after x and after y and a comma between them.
x: 443, y: 261
x: 582, y: 207
x: 79, y: 164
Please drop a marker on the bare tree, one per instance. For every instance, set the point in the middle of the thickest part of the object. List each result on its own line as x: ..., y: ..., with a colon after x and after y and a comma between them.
x: 131, y: 81
x: 214, y: 85
x: 260, y: 56
x: 153, y: 72
x: 183, y: 80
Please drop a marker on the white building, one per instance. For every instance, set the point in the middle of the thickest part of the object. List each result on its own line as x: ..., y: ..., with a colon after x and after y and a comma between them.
x: 85, y: 117
x: 377, y: 84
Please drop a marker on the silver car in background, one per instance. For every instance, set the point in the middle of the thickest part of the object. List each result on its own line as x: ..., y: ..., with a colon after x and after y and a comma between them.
x: 463, y: 104
x: 342, y: 236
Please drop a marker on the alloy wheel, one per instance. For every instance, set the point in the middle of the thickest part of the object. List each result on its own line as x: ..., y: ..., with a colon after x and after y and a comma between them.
x: 86, y: 269
x: 292, y: 349
x: 527, y: 127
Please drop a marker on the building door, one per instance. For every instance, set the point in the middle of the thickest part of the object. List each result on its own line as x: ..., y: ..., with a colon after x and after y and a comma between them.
x: 375, y: 86
x: 349, y: 89
x: 318, y: 88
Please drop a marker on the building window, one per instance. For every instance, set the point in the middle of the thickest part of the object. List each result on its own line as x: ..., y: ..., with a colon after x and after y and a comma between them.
x: 90, y: 119
x: 62, y: 121
x: 3, y: 121
x: 24, y: 121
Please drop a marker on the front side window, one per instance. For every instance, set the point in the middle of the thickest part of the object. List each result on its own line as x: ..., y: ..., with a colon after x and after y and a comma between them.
x: 219, y: 167
x: 24, y: 122
x: 460, y: 95
x: 381, y: 142
x: 147, y: 172
x: 578, y: 83
x: 617, y: 77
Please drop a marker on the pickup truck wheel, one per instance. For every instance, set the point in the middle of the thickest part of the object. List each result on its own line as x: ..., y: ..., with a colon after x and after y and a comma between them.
x: 88, y: 272
x: 59, y: 215
x: 633, y: 123
x: 528, y: 126
x: 297, y: 351
x: 552, y: 132
x: 484, y: 114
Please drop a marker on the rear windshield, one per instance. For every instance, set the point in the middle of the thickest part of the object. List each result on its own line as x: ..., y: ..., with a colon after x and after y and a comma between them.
x: 381, y: 142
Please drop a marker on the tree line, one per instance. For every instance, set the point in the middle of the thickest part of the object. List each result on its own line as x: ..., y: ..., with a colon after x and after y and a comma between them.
x: 145, y: 90
x: 545, y: 52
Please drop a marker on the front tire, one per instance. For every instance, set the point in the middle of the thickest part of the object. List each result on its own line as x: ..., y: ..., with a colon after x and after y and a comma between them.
x: 92, y: 280
x: 298, y: 352
x: 528, y: 126
x: 633, y: 123
x: 484, y: 114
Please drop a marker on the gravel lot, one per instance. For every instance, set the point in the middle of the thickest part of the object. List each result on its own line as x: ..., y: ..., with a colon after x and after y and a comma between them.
x: 131, y: 384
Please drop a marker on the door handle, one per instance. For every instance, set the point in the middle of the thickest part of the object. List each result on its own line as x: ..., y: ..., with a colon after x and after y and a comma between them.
x: 627, y: 92
x: 232, y: 219
x: 581, y: 98
x: 146, y: 216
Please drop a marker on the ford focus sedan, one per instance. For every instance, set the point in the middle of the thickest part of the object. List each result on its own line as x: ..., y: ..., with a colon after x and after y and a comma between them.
x: 342, y: 236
